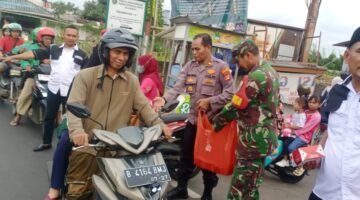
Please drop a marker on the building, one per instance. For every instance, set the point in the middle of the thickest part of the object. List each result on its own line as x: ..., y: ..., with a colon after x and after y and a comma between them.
x: 276, y: 41
x: 26, y: 13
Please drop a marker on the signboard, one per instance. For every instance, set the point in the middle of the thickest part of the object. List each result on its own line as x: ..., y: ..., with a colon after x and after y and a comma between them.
x: 129, y: 14
x: 230, y: 15
x: 220, y: 39
x: 289, y: 83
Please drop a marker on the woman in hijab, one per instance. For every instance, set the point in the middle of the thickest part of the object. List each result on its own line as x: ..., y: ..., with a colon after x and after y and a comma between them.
x: 150, y: 81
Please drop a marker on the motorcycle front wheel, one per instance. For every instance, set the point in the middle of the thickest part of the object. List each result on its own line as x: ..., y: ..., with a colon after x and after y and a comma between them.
x: 289, y: 177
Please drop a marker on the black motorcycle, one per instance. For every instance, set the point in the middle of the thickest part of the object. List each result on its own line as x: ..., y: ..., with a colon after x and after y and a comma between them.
x: 38, y: 105
x: 171, y: 150
x: 10, y: 84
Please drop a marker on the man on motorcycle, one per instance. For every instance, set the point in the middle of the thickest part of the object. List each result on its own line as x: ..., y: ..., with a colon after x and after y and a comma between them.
x: 254, y: 106
x: 112, y: 94
x: 66, y: 61
x: 209, y: 82
x: 339, y: 172
x: 8, y: 43
x: 42, y: 38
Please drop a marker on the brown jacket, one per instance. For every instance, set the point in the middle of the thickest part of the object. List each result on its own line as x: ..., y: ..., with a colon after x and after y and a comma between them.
x: 112, y: 106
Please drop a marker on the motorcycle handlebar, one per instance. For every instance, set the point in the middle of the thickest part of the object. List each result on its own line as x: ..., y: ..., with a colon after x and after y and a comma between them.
x: 118, y: 147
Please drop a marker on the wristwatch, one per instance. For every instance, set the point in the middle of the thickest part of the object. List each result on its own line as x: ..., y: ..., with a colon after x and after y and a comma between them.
x: 164, y: 99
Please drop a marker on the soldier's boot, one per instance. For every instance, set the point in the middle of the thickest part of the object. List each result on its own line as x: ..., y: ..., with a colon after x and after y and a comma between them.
x: 209, y: 183
x: 180, y: 192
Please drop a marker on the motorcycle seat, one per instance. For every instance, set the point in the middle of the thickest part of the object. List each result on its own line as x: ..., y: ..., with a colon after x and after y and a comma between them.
x: 173, y: 117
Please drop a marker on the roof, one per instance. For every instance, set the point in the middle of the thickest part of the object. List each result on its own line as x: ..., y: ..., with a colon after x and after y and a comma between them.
x: 24, y: 7
x: 264, y: 23
x: 296, y: 67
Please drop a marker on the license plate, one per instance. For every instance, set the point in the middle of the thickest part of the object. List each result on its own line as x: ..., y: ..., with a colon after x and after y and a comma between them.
x: 146, y: 175
x: 43, y: 77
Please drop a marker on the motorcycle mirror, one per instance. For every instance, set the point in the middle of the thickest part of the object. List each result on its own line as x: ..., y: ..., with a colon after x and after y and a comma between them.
x: 79, y: 110
x: 169, y: 106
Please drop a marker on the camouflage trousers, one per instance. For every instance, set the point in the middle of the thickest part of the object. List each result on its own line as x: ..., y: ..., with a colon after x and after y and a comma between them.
x: 253, y: 146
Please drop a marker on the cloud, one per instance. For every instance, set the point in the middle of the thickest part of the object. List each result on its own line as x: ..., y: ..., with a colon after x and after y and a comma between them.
x: 336, y: 21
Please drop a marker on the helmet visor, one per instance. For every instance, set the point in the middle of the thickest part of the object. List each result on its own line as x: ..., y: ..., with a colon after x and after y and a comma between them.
x: 122, y: 45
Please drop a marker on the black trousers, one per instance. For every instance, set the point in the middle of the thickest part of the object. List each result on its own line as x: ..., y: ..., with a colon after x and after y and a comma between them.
x: 53, y: 102
x: 187, y: 159
x: 313, y: 197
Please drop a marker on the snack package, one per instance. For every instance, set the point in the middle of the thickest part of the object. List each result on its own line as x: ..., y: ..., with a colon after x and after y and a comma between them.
x: 306, y: 154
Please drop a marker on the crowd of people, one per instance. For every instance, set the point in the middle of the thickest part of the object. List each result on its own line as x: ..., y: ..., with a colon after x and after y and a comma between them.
x: 103, y: 84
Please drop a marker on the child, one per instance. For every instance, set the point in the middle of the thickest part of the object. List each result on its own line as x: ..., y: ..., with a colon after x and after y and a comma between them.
x: 296, y: 121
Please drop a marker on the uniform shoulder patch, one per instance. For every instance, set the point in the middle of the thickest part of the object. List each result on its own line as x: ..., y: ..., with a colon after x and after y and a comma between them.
x: 226, y: 72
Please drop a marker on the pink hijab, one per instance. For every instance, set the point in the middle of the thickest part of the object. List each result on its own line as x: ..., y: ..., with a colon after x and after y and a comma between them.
x: 151, y: 71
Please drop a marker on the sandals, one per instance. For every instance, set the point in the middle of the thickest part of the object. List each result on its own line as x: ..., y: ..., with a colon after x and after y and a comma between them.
x: 49, y: 198
x: 15, y: 121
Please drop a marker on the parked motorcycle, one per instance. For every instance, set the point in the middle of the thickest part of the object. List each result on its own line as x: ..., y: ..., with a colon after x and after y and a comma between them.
x: 138, y: 171
x: 171, y: 150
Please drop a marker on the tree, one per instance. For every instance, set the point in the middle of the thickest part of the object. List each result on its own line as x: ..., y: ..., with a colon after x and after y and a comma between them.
x: 94, y: 10
x: 61, y: 8
x: 332, y: 61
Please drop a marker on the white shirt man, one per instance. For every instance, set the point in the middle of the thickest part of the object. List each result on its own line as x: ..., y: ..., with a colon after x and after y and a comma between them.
x: 339, y: 175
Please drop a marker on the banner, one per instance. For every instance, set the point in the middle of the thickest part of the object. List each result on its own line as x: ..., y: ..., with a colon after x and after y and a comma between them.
x: 128, y: 14
x: 289, y: 83
x: 230, y: 15
x: 218, y: 38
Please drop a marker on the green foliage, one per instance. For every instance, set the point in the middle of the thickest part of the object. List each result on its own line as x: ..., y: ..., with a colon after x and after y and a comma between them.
x: 94, y: 10
x: 331, y: 62
x: 150, y: 12
x: 158, y: 45
x: 62, y: 7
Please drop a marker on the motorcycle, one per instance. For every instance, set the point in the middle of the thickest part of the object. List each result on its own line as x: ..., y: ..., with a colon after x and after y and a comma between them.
x: 171, y: 150
x: 38, y: 104
x: 10, y: 83
x: 138, y: 171
x: 287, y: 174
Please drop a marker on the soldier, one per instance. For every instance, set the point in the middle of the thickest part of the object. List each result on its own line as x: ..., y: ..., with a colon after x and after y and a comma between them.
x: 254, y: 106
x: 208, y: 81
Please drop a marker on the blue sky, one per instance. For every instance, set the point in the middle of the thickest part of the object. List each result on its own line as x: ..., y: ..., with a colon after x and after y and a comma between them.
x: 337, y: 19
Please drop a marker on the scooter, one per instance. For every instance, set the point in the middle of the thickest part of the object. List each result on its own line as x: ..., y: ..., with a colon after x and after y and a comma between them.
x: 138, y: 171
x: 38, y: 104
x: 286, y: 174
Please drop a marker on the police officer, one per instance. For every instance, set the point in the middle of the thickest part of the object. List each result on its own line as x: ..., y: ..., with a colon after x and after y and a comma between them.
x: 208, y: 81
x: 254, y: 106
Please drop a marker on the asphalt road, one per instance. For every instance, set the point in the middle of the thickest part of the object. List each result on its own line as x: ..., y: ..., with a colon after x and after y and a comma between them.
x: 23, y: 173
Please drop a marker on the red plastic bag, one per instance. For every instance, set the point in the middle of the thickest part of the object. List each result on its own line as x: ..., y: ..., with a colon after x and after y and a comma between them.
x: 215, y: 151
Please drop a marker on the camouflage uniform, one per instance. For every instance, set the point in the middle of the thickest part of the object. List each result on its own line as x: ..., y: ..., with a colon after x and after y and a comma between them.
x: 257, y: 137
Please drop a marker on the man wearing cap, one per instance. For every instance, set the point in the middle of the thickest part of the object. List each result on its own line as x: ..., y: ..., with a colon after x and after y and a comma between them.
x: 254, y: 106
x: 209, y: 82
x: 339, y: 173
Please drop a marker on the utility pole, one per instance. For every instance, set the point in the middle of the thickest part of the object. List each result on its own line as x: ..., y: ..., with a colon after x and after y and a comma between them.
x: 313, y: 13
x: 154, y: 26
